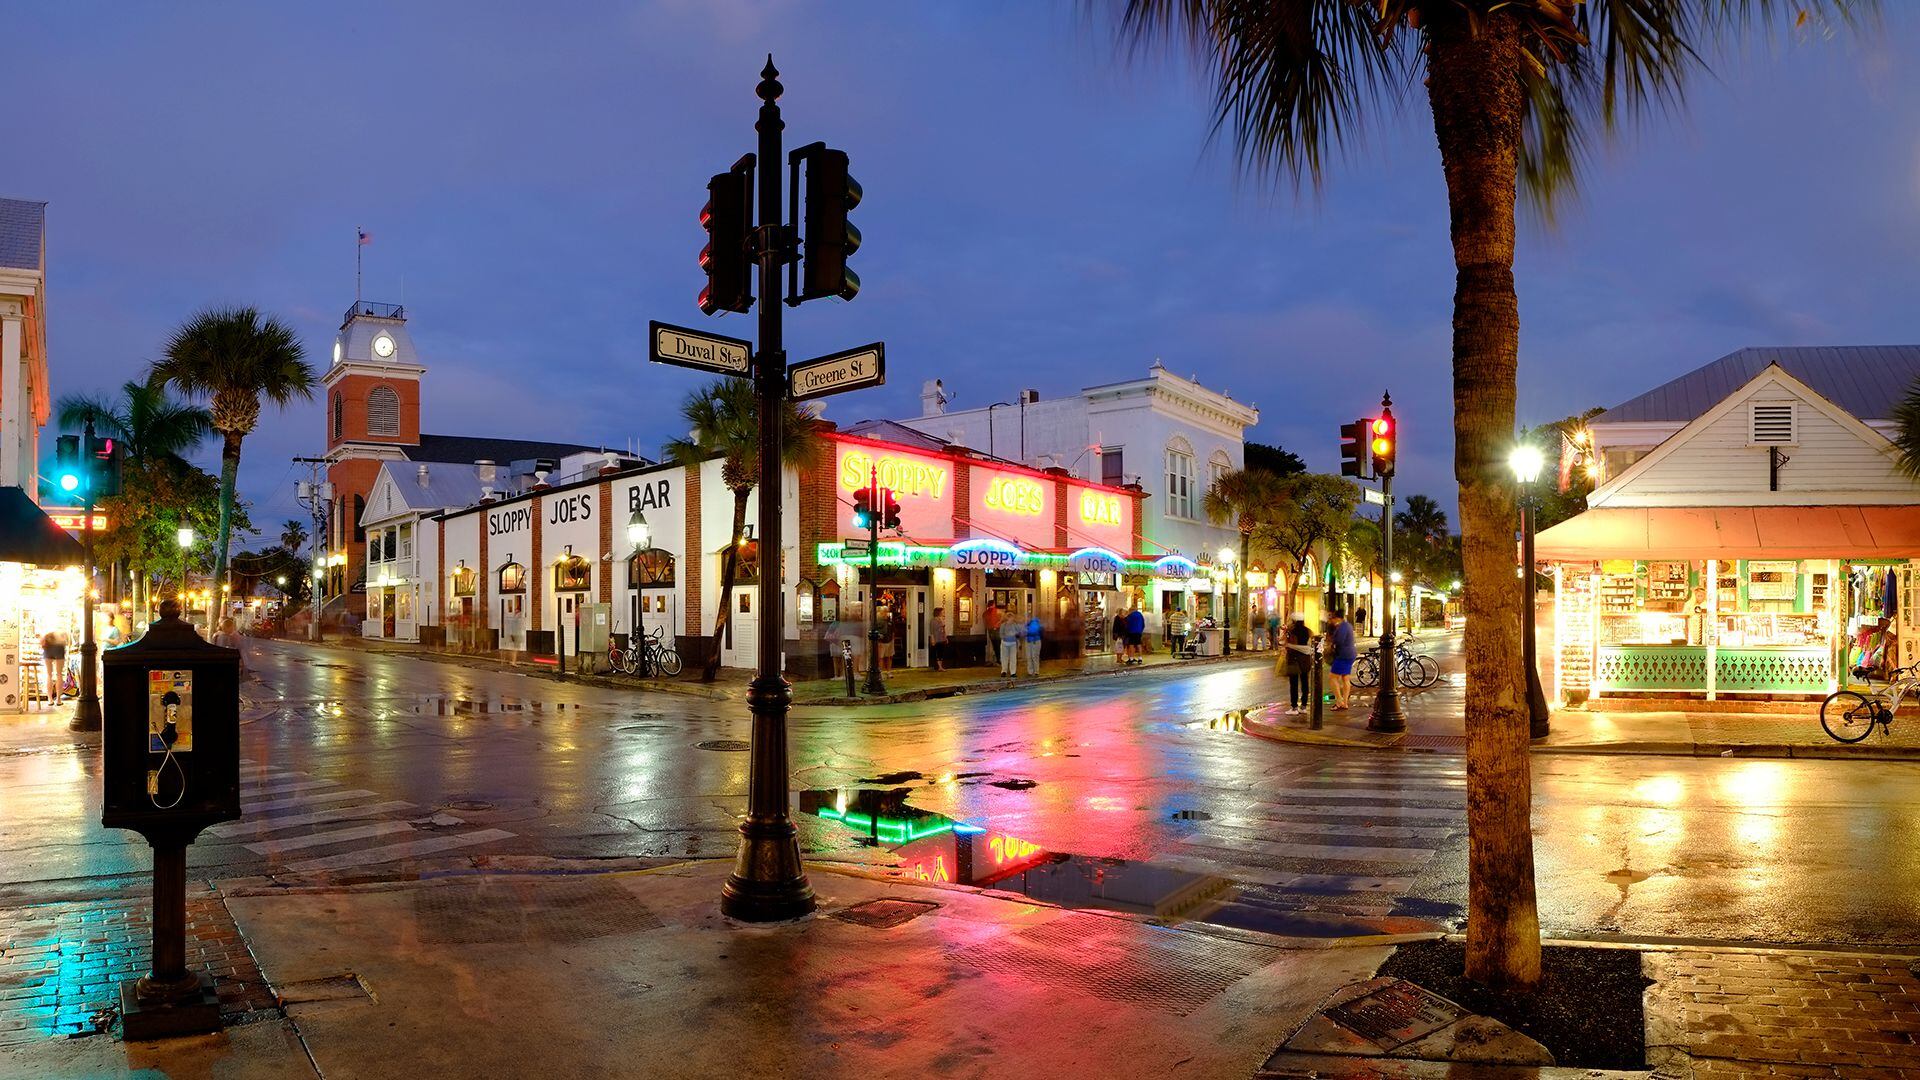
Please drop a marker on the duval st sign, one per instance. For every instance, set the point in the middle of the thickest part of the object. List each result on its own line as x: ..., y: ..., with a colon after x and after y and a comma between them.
x: 699, y: 350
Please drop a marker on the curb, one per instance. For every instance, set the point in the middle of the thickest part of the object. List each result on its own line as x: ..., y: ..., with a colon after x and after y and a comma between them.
x: 992, y: 686
x: 1276, y: 733
x: 1811, y: 752
x: 695, y: 689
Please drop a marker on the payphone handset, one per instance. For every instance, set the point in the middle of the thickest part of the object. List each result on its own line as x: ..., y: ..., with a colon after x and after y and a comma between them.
x: 169, y: 728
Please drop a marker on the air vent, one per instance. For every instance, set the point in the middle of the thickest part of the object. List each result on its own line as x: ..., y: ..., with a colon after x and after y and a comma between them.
x: 1771, y: 424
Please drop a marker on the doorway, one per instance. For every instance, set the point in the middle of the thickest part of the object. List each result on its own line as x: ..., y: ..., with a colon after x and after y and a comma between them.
x: 919, y: 625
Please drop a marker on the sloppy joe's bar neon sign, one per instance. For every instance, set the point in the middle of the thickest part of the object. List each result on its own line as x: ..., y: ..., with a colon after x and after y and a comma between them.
x: 906, y: 476
x: 1099, y: 508
x: 1016, y: 495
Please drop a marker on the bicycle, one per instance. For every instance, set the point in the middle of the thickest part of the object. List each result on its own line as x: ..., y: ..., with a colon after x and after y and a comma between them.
x: 1849, y: 715
x: 662, y: 657
x: 1414, y: 671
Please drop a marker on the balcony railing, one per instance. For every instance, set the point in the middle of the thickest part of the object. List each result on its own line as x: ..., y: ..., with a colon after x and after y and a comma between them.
x: 377, y: 311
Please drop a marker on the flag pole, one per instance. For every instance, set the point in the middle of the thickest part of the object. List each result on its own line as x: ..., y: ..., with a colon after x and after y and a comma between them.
x: 358, y: 243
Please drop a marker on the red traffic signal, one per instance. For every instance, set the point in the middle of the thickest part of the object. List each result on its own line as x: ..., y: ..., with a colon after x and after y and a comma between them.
x: 728, y: 218
x: 889, y: 509
x: 1384, y: 443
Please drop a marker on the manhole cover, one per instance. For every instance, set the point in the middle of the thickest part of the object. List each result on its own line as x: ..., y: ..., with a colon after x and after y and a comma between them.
x: 1435, y: 742
x: 1192, y: 815
x: 723, y: 744
x: 538, y: 909
x: 884, y: 914
x: 469, y: 804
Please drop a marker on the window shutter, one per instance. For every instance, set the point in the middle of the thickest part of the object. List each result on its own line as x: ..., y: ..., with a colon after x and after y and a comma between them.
x: 1772, y: 424
x: 383, y: 411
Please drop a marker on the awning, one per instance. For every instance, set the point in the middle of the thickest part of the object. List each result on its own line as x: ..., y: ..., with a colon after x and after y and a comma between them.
x: 28, y: 535
x: 1734, y: 532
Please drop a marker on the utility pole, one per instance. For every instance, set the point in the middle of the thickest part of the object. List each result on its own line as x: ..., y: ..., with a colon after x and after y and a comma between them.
x: 874, y: 685
x: 317, y: 496
x: 86, y: 712
x: 1384, y: 448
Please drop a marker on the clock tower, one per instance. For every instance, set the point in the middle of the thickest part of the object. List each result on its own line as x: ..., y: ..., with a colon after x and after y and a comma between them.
x: 372, y: 415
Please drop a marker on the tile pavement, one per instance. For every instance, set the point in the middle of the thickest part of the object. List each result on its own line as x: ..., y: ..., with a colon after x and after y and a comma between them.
x: 61, y: 964
x: 1753, y: 1014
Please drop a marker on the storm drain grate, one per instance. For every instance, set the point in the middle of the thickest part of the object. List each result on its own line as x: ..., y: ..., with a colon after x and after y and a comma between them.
x: 884, y: 914
x: 1172, y: 971
x: 509, y: 910
x: 1435, y: 742
x: 723, y: 744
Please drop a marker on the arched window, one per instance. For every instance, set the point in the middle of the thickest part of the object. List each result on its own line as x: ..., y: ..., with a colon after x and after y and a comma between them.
x: 1218, y: 466
x: 359, y: 511
x: 1179, y: 478
x: 339, y: 414
x: 383, y: 411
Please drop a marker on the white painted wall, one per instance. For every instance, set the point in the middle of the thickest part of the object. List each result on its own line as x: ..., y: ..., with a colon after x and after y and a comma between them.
x: 661, y: 496
x: 716, y: 520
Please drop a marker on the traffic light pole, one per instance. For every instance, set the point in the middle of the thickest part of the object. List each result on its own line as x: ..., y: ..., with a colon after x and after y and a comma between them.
x: 86, y: 713
x: 768, y: 882
x: 874, y: 685
x: 1386, y: 714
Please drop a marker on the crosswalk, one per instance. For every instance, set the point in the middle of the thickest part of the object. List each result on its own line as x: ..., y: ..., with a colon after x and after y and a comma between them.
x: 301, y: 823
x: 1345, y: 838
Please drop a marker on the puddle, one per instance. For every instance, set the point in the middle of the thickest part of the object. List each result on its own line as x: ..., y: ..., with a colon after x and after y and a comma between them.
x: 935, y: 848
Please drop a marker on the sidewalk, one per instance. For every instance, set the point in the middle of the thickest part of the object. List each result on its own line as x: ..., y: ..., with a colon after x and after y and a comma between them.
x: 637, y: 974
x: 1436, y: 721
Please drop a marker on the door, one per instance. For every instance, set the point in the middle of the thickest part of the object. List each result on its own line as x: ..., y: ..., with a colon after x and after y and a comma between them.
x: 567, y: 632
x: 743, y: 628
x: 513, y: 623
x: 1096, y: 618
x: 656, y: 613
x: 919, y: 626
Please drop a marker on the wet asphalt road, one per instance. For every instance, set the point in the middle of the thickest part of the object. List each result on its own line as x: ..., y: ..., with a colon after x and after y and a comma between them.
x: 369, y: 764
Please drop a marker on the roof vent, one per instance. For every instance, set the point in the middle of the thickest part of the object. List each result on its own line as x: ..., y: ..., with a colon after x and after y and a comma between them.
x: 1772, y: 423
x: 1028, y: 397
x: 423, y: 474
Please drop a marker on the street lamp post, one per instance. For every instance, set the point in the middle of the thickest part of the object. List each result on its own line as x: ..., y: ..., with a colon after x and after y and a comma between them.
x: 86, y: 712
x: 1227, y: 589
x: 1527, y: 462
x: 184, y: 536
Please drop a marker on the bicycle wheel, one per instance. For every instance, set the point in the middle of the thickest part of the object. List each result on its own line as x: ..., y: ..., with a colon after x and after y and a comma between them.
x: 667, y: 662
x: 1848, y: 715
x: 1409, y: 671
x: 1429, y: 670
x: 1366, y: 671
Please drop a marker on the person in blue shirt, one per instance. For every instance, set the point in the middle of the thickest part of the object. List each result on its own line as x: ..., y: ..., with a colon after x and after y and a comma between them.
x: 1136, y: 634
x: 1340, y: 636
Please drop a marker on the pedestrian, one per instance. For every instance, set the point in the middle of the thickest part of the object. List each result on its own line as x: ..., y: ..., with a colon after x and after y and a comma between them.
x: 1118, y: 640
x: 1009, y: 647
x: 937, y: 639
x: 883, y: 648
x: 1273, y: 631
x: 994, y: 618
x: 1177, y: 630
x: 1340, y: 636
x: 1137, y: 635
x: 53, y: 655
x: 1297, y: 650
x: 1032, y: 637
x: 1360, y: 620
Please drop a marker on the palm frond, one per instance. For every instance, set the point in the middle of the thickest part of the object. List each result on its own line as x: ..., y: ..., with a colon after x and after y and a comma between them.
x: 1906, y: 427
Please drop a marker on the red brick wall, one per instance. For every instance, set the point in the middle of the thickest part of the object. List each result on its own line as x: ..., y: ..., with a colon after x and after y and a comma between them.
x: 692, y: 559
x: 537, y: 568
x: 1060, y: 495
x: 820, y: 520
x: 962, y: 500
x: 353, y: 391
x: 485, y: 591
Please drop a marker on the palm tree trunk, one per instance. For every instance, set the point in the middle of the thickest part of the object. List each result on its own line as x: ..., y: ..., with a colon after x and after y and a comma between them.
x: 229, y: 473
x: 1476, y: 96
x: 729, y: 562
x: 1246, y: 598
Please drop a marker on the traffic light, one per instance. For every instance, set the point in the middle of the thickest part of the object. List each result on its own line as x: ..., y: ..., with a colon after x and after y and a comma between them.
x: 69, y: 474
x: 1353, y: 448
x: 889, y: 509
x: 104, y: 466
x: 1385, y: 443
x: 829, y: 238
x: 728, y: 218
x: 863, y: 508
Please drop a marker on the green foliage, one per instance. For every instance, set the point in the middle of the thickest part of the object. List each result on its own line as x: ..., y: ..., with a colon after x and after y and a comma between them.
x: 1906, y: 431
x: 149, y: 424
x: 1274, y: 459
x: 1425, y: 551
x: 1313, y: 518
x: 1554, y: 504
x: 222, y: 352
x: 1243, y: 499
x: 143, y: 521
x: 723, y: 419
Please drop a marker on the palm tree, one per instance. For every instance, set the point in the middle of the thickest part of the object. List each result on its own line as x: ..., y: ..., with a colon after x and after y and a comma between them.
x: 1243, y: 498
x: 1515, y: 89
x: 154, y: 431
x: 293, y: 536
x: 724, y: 421
x: 1906, y: 431
x: 1424, y: 524
x: 236, y: 360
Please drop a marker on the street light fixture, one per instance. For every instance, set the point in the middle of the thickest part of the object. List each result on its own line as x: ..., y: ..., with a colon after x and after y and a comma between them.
x: 639, y: 533
x: 1527, y: 462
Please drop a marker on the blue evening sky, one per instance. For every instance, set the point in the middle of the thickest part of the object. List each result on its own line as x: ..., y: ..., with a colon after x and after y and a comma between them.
x: 1040, y: 211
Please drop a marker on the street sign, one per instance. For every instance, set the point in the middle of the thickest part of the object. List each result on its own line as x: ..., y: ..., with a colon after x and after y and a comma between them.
x: 838, y: 372
x: 856, y: 545
x: 699, y: 350
x: 1374, y: 497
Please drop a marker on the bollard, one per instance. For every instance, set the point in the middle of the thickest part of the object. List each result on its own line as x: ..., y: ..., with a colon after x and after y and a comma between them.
x: 1319, y: 696
x: 846, y: 656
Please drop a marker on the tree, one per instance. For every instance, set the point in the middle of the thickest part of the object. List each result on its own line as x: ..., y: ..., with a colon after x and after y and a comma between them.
x: 1314, y: 513
x: 724, y: 418
x: 1274, y: 459
x: 1906, y: 427
x: 293, y: 536
x: 236, y: 360
x: 1243, y: 498
x: 1514, y: 88
x: 1565, y: 441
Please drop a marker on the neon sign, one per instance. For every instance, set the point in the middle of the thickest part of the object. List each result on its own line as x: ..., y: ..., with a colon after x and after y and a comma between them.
x: 76, y: 520
x: 1099, y: 508
x: 1016, y: 495
x: 1174, y: 566
x: 987, y: 555
x: 906, y: 476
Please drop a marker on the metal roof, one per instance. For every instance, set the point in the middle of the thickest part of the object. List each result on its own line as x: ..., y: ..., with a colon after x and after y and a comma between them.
x: 1865, y: 380
x: 23, y: 227
x: 467, y: 449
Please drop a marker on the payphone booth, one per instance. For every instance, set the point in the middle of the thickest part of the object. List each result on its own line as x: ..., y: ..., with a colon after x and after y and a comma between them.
x: 170, y: 766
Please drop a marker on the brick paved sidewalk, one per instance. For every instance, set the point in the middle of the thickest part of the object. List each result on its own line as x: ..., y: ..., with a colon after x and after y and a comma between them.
x: 61, y: 964
x: 1751, y: 1014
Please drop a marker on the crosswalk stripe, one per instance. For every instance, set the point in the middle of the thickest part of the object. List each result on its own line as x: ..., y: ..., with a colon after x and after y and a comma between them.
x: 1361, y: 793
x: 1323, y: 828
x: 301, y: 800
x: 391, y: 852
x: 1279, y: 811
x: 259, y: 824
x: 278, y: 787
x: 1325, y: 852
x: 322, y: 839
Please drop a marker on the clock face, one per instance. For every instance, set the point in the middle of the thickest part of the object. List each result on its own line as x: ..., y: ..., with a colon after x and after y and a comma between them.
x: 336, y: 350
x: 383, y: 346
